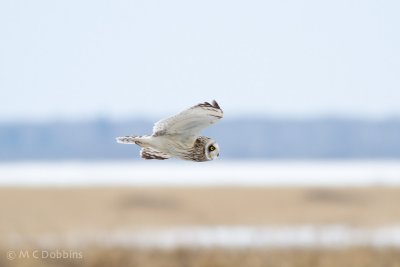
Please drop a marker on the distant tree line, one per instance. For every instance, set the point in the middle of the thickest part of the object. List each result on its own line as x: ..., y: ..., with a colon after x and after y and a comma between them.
x: 329, y: 138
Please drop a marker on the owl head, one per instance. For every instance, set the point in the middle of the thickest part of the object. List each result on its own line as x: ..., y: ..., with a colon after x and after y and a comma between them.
x: 211, y: 150
x: 204, y: 149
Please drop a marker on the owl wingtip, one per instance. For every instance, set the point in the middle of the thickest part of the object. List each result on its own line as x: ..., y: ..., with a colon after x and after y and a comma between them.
x: 215, y: 104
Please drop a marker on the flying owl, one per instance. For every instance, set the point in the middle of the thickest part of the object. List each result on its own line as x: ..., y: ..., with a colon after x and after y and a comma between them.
x: 179, y: 136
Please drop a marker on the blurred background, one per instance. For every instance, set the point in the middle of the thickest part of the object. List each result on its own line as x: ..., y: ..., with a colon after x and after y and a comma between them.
x: 309, y: 171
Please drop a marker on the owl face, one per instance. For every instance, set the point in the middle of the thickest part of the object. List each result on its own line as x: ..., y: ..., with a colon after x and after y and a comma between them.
x: 212, y: 150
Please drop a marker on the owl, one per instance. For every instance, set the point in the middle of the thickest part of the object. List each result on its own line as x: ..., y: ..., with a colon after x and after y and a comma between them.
x: 179, y: 136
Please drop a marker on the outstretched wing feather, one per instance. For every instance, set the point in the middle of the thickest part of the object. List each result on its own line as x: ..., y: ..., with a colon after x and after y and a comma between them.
x: 150, y: 153
x: 191, y: 121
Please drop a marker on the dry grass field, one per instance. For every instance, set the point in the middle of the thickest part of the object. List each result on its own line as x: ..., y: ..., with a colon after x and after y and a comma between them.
x: 56, y: 210
x: 33, y: 212
x: 355, y: 257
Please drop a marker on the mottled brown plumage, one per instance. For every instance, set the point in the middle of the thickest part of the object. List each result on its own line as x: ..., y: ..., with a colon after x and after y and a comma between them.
x: 199, y: 150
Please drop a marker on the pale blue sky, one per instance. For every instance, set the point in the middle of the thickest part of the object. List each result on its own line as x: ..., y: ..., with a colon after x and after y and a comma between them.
x: 82, y: 59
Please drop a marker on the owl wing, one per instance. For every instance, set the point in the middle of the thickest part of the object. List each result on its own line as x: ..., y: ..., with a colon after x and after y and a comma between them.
x: 191, y: 122
x: 151, y: 153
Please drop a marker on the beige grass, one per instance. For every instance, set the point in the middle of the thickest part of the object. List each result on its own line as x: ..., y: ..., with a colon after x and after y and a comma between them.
x: 32, y: 212
x: 355, y: 257
x: 54, y: 210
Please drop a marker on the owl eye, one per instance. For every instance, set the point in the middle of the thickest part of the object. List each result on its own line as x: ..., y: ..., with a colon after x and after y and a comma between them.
x: 211, y: 148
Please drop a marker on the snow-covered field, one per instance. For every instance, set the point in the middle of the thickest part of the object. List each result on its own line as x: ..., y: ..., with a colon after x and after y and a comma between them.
x: 240, y: 173
x: 299, y: 236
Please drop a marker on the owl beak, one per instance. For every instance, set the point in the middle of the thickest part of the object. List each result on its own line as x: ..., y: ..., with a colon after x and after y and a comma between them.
x: 218, y: 155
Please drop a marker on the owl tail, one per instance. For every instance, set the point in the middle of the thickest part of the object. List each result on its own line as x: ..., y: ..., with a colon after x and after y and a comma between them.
x: 128, y: 139
x: 140, y: 140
